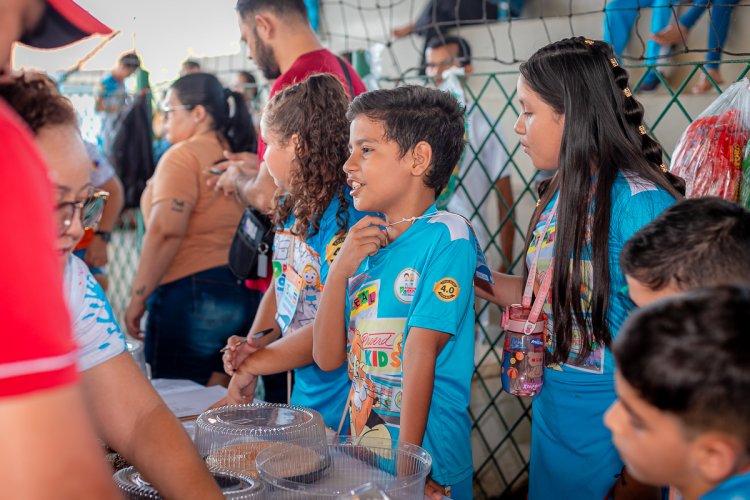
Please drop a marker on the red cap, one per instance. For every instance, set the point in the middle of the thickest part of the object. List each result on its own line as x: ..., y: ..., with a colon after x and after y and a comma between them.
x: 63, y: 23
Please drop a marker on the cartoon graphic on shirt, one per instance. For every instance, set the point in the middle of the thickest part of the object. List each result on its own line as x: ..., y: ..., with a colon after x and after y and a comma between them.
x: 298, y: 281
x: 311, y: 278
x: 374, y: 361
x: 364, y: 422
x: 405, y: 285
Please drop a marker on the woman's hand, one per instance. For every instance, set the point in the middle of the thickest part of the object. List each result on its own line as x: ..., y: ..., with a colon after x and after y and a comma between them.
x: 238, y: 168
x: 237, y: 352
x: 242, y: 388
x: 364, y: 239
x: 96, y: 253
x: 133, y: 314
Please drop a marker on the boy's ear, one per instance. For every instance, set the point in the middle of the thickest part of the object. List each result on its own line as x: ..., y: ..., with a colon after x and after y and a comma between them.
x: 717, y: 456
x: 422, y: 158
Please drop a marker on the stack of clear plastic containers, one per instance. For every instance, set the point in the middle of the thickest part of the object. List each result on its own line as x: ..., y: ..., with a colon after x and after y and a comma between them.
x: 340, y: 470
x: 232, y: 436
x: 233, y: 484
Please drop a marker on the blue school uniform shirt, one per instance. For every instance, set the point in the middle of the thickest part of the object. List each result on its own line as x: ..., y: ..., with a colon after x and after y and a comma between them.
x: 572, y: 455
x: 310, y: 258
x: 735, y: 488
x: 422, y: 279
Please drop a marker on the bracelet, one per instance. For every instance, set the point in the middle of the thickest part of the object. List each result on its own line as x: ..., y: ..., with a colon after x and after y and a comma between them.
x: 104, y: 235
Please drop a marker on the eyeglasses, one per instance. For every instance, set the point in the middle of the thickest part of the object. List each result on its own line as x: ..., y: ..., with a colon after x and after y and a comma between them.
x: 166, y: 108
x: 90, y: 211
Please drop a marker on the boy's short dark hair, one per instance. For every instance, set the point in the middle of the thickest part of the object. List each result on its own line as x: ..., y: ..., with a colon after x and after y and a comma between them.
x: 130, y: 60
x: 464, y: 49
x: 690, y: 356
x: 697, y: 242
x: 278, y: 7
x: 192, y: 64
x: 411, y: 114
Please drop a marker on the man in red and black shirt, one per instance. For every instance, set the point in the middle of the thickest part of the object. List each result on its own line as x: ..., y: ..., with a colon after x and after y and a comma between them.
x: 285, y: 48
x: 283, y: 45
x: 49, y: 449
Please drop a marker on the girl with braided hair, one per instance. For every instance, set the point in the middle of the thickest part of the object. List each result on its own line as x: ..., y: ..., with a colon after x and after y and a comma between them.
x: 580, y: 118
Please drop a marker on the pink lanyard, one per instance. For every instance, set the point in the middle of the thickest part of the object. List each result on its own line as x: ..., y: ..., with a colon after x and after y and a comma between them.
x: 536, y: 309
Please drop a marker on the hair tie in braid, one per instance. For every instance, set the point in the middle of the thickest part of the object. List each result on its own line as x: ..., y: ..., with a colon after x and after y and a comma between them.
x: 588, y: 42
x: 613, y: 62
x: 642, y: 129
x: 627, y: 92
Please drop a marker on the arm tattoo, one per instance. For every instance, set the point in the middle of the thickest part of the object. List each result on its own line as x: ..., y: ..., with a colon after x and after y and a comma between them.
x: 178, y: 206
x: 140, y: 291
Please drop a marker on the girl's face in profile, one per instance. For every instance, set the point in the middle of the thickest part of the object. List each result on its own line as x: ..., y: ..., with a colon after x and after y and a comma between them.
x: 279, y: 155
x: 539, y: 127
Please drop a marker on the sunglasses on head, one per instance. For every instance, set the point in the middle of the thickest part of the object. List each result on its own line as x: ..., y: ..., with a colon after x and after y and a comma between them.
x: 90, y: 211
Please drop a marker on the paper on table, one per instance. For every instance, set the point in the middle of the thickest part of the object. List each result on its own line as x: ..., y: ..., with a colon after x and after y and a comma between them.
x: 167, y: 385
x: 186, y: 398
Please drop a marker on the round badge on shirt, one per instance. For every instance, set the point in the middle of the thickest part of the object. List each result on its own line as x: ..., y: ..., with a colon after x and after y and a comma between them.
x: 406, y: 285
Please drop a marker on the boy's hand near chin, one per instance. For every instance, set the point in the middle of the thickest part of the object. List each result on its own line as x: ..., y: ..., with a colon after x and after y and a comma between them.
x: 364, y: 239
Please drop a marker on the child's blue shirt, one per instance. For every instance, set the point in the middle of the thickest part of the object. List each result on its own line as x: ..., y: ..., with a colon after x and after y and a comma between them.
x: 422, y: 279
x: 314, y: 388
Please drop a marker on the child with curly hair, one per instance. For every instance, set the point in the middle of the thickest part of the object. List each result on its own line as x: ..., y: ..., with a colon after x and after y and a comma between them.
x: 306, y: 134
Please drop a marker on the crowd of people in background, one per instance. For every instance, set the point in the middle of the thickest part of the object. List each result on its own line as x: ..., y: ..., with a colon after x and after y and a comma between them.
x: 365, y: 309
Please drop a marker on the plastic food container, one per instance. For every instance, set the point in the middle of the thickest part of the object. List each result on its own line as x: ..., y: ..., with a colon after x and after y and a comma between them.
x: 232, y: 436
x: 233, y: 484
x: 135, y: 348
x: 395, y: 470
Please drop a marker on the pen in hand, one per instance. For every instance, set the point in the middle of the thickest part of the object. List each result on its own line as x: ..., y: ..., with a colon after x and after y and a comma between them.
x: 254, y: 336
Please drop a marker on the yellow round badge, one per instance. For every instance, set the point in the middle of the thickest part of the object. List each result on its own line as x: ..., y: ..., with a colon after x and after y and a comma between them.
x: 446, y: 289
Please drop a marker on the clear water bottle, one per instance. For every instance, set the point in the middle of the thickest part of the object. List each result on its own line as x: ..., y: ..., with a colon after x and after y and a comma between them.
x: 522, y: 371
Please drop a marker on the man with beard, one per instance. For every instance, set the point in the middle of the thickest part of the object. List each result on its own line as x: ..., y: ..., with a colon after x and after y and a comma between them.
x: 49, y: 449
x: 285, y: 48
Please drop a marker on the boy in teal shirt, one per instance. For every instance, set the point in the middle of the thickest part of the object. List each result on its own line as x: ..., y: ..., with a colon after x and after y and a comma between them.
x: 404, y: 284
x: 683, y: 380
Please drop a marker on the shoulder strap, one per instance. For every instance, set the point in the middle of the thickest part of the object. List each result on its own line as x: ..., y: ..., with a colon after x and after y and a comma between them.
x: 348, y: 76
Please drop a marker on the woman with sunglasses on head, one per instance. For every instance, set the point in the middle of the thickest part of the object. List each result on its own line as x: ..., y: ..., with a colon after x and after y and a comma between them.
x: 194, y: 300
x: 135, y: 422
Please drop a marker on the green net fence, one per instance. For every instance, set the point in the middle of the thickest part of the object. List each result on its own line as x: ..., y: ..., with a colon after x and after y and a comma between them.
x: 501, y: 423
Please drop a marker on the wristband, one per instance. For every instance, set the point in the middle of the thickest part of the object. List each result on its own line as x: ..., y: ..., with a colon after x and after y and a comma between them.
x: 104, y: 235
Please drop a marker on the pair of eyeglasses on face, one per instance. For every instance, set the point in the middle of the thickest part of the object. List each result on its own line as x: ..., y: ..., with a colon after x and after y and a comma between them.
x: 167, y: 109
x: 90, y: 211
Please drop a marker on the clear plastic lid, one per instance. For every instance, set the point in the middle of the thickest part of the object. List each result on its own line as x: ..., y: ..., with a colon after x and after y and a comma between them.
x: 232, y: 436
x: 233, y: 485
x: 136, y: 349
x: 395, y: 470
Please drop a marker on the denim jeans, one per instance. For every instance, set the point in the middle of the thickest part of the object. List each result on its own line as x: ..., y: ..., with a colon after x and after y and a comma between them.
x: 190, y: 319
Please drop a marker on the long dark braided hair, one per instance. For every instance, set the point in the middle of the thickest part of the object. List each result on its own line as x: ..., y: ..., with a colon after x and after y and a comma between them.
x: 604, y: 135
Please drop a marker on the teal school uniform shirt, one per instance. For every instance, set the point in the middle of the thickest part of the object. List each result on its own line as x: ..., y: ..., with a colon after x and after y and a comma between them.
x: 572, y: 455
x: 306, y: 262
x: 735, y: 488
x: 422, y: 279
